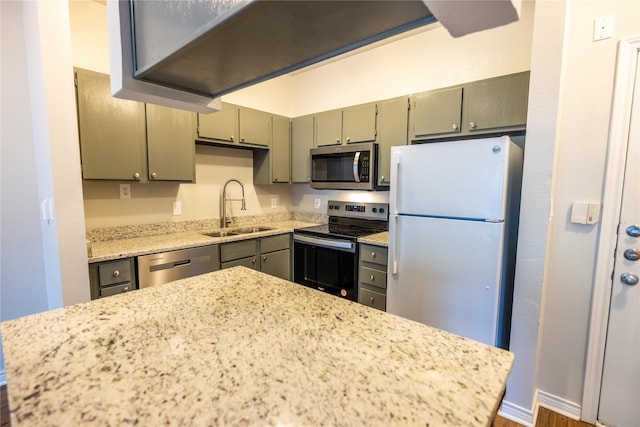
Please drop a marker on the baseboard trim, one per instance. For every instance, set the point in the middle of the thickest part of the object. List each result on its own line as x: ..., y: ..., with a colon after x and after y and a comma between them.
x: 528, y: 417
x: 559, y: 405
x: 516, y: 413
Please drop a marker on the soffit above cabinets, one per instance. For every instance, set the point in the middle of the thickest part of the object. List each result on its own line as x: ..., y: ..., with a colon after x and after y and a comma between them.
x: 214, y: 47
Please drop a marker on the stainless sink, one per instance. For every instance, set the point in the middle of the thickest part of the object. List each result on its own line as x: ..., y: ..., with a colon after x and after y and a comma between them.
x: 220, y: 234
x: 248, y: 230
x: 237, y: 231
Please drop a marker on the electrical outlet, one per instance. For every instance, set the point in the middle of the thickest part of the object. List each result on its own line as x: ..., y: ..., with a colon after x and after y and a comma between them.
x: 316, y: 203
x: 125, y: 191
x: 274, y: 202
x: 177, y: 208
x: 602, y: 28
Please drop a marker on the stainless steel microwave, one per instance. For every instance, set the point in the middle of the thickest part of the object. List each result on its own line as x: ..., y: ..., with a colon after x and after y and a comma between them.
x: 345, y: 167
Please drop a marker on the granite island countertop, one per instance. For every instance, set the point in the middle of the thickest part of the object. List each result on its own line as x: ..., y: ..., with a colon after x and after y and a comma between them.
x: 239, y: 347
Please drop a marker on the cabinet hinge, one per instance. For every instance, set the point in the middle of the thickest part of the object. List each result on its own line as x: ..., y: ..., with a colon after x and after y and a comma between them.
x: 75, y: 80
x: 408, y: 103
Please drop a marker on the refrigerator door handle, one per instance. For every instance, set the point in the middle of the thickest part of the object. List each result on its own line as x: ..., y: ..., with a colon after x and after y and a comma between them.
x: 394, y: 246
x: 395, y: 163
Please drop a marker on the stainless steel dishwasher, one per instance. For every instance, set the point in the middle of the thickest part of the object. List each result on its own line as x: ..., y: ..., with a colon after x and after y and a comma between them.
x: 156, y: 269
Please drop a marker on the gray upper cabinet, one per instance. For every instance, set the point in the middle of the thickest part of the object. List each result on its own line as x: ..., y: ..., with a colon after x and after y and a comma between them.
x: 392, y: 129
x: 497, y: 104
x: 328, y: 128
x: 491, y: 106
x: 234, y: 125
x: 274, y: 165
x: 130, y: 141
x: 437, y: 113
x: 359, y: 123
x: 301, y: 143
x: 221, y: 126
x: 170, y: 146
x: 112, y: 131
x: 346, y: 126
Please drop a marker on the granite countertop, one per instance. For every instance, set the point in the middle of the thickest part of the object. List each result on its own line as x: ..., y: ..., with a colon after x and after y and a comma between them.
x: 378, y: 239
x: 123, y: 248
x: 239, y: 347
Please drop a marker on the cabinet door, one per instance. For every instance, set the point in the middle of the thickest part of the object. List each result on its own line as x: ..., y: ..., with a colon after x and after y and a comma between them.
x: 112, y: 131
x: 359, y: 123
x: 328, y: 128
x: 301, y: 144
x: 392, y: 128
x: 281, y: 149
x: 255, y: 126
x: 497, y: 104
x: 277, y: 264
x: 220, y: 126
x: 436, y: 113
x: 170, y: 145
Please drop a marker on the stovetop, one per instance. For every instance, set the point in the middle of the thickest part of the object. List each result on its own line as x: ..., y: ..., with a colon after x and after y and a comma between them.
x: 351, y: 220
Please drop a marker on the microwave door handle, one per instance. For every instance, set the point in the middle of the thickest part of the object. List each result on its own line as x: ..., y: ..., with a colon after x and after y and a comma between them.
x: 356, y: 164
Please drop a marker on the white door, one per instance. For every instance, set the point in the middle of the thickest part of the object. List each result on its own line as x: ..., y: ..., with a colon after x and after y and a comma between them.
x: 620, y: 389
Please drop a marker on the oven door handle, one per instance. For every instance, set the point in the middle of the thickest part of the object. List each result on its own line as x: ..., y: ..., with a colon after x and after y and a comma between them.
x: 318, y: 241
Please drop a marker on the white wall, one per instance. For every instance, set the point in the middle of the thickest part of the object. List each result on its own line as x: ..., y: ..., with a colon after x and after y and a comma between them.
x: 43, y: 263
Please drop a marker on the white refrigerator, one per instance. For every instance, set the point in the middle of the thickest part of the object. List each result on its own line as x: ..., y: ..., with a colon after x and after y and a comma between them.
x: 454, y: 210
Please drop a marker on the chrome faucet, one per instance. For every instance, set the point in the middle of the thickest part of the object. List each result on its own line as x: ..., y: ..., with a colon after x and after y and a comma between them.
x: 223, y: 216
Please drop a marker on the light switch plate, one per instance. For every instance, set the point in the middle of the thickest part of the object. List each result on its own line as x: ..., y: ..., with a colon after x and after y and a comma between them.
x: 125, y: 191
x: 316, y: 203
x: 177, y: 208
x: 274, y: 202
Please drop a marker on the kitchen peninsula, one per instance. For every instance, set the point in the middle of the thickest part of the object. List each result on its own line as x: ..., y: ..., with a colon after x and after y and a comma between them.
x: 239, y: 347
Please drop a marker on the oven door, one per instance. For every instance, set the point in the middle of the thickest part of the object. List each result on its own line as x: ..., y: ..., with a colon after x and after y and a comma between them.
x: 326, y: 264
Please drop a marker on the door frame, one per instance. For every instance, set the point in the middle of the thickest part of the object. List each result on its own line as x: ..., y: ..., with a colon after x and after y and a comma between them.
x: 626, y: 68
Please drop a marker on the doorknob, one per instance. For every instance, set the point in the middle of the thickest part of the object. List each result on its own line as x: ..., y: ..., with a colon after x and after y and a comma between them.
x: 632, y: 254
x: 633, y: 231
x: 629, y: 279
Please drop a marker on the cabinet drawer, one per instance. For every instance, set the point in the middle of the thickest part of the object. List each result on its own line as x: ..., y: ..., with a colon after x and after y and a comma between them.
x: 373, y: 277
x: 116, y: 289
x: 372, y: 299
x: 114, y: 272
x: 249, y: 262
x: 237, y: 250
x: 374, y: 254
x: 274, y: 243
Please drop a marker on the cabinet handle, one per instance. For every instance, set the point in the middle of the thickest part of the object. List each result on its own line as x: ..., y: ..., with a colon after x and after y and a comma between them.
x: 348, y: 139
x: 242, y: 139
x: 275, y: 179
x: 231, y: 137
x: 116, y: 273
x: 338, y: 140
x: 371, y: 300
x: 373, y: 254
x: 154, y: 175
x: 472, y: 125
x: 136, y: 175
x: 253, y: 261
x: 455, y: 126
x: 264, y: 258
x: 372, y: 278
x: 125, y: 289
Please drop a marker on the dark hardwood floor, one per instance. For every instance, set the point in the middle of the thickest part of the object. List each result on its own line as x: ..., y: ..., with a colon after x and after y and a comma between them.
x: 546, y: 418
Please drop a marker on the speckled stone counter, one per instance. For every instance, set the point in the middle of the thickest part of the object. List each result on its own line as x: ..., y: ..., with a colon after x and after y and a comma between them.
x: 122, y: 248
x: 378, y: 239
x: 238, y: 347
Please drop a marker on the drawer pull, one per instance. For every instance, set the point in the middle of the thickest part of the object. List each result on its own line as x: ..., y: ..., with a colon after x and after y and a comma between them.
x: 371, y: 300
x: 372, y: 278
x: 373, y: 254
x: 116, y: 273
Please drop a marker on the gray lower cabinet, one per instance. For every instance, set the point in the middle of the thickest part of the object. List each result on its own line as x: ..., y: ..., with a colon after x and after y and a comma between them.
x: 130, y: 141
x: 271, y: 255
x: 492, y: 106
x: 392, y: 130
x: 372, y: 276
x: 301, y: 144
x: 112, y: 277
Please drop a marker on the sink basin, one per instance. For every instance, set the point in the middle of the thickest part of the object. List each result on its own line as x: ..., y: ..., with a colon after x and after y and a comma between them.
x: 248, y: 230
x: 220, y: 234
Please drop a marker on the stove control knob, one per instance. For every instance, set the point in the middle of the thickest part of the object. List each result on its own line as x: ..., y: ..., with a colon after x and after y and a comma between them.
x: 374, y: 210
x: 381, y: 210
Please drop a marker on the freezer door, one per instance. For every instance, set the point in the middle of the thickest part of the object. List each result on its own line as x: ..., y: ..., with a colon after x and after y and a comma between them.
x: 447, y: 274
x: 461, y: 179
